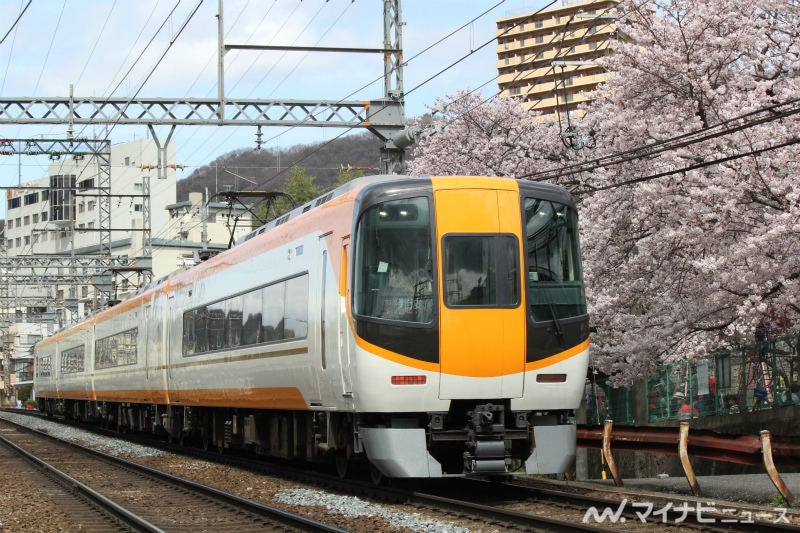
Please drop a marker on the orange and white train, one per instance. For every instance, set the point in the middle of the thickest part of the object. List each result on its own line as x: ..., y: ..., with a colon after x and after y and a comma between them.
x: 430, y: 326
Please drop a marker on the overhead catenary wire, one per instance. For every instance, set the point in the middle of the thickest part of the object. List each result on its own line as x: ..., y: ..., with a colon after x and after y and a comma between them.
x: 16, y: 21
x: 747, y: 120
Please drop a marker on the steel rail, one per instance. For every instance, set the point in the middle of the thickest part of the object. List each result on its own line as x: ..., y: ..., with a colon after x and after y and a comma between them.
x: 274, y: 513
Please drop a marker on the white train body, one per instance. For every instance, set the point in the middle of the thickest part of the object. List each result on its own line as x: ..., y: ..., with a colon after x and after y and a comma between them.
x: 433, y: 326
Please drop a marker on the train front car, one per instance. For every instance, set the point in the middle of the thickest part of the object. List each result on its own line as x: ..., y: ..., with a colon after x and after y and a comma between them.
x: 471, y: 327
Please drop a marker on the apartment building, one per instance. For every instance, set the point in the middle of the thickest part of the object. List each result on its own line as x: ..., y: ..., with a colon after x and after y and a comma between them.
x: 549, y: 58
x: 61, y: 213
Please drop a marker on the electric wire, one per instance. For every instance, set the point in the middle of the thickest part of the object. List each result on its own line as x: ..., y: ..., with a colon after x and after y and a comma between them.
x: 10, y: 55
x: 244, y: 73
x: 16, y: 21
x: 299, y: 62
x: 745, y: 121
x: 695, y: 166
x: 407, y: 61
x: 96, y: 42
x: 50, y: 48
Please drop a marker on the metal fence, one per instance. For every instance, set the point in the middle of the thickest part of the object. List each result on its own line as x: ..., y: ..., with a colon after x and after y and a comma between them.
x: 604, y: 402
x: 748, y: 378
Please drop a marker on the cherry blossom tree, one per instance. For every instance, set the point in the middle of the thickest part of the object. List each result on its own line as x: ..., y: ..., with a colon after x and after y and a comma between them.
x: 469, y: 135
x: 691, y: 261
x: 687, y: 249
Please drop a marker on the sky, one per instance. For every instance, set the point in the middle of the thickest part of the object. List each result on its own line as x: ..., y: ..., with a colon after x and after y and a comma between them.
x: 109, y: 48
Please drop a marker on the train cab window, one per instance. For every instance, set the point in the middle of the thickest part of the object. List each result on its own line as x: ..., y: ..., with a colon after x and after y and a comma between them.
x: 552, y: 253
x: 481, y: 270
x: 393, y: 276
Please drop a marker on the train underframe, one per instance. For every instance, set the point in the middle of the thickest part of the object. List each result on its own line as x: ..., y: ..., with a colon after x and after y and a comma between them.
x: 480, y: 438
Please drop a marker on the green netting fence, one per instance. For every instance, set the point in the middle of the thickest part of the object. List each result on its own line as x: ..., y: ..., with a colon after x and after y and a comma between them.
x: 748, y: 378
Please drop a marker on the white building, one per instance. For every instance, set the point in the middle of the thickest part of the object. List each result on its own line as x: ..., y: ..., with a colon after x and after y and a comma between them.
x: 63, y: 214
x: 197, y: 227
x: 22, y: 336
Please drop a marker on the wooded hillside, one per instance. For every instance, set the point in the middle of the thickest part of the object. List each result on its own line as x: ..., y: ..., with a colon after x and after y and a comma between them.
x: 269, y: 168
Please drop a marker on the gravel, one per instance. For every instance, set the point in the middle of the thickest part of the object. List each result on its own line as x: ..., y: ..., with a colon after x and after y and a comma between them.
x: 19, y: 509
x: 352, y: 506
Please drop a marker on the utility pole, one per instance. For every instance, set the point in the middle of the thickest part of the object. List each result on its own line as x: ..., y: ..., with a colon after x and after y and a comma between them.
x: 385, y: 117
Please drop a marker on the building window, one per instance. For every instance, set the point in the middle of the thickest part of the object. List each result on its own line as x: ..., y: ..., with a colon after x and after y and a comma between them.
x: 137, y: 207
x: 90, y: 205
x: 592, y: 46
x: 35, y: 218
x: 137, y: 187
x: 127, y: 161
x: 31, y: 198
x: 13, y: 203
x: 27, y: 220
x: 81, y: 207
x: 18, y: 242
x: 44, y: 216
x: 516, y: 90
x: 27, y: 240
x: 91, y: 225
x: 10, y: 224
x: 539, y: 23
x: 539, y: 39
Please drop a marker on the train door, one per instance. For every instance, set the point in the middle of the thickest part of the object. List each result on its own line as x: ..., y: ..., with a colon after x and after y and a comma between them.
x: 149, y: 334
x: 171, y: 343
x: 343, y: 322
x: 481, y: 317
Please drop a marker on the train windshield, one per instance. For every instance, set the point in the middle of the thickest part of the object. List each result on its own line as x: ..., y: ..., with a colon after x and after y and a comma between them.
x: 393, y: 265
x: 555, y: 281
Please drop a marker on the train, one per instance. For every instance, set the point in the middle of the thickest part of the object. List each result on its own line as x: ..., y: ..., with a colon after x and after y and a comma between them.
x: 423, y: 327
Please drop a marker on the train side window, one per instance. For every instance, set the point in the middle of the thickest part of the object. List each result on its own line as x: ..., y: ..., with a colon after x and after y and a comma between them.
x: 189, y: 337
x: 116, y: 350
x: 216, y: 326
x: 201, y: 321
x: 233, y: 322
x: 251, y: 311
x: 72, y: 360
x: 272, y: 314
x: 295, y: 317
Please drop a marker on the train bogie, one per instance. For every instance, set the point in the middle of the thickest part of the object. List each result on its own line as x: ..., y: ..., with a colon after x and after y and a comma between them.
x: 429, y: 326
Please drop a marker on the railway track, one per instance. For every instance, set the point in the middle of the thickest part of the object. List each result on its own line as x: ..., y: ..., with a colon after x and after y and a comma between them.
x: 630, y: 513
x: 99, y: 492
x: 517, y: 506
